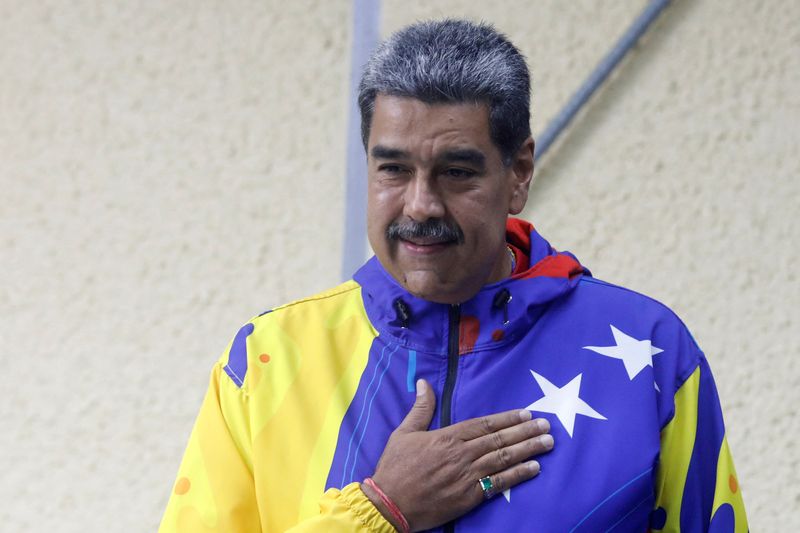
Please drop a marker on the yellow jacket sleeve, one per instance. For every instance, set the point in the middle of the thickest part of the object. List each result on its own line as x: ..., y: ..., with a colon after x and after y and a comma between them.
x: 344, y: 511
x: 215, y: 489
x: 696, y: 487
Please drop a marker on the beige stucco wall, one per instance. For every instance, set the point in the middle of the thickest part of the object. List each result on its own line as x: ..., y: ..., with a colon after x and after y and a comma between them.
x: 168, y: 169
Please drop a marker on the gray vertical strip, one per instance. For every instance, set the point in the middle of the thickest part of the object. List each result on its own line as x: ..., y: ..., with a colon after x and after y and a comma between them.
x: 366, y: 29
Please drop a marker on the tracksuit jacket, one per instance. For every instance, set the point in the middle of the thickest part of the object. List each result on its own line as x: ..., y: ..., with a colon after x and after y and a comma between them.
x: 303, y: 400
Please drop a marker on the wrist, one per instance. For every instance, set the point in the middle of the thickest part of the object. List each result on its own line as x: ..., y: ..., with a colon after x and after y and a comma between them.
x: 389, y: 511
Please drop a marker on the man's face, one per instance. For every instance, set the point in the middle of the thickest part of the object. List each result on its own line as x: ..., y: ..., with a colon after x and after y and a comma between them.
x: 439, y: 195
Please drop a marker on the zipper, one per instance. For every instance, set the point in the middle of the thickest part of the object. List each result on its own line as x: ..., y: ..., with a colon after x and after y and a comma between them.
x: 445, y: 416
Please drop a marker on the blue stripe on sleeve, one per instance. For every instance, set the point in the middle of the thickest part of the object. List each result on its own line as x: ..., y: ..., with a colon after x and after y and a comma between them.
x: 237, y: 356
x: 698, y: 493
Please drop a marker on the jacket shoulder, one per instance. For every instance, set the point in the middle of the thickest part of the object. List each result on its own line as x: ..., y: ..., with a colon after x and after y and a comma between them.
x: 641, y: 322
x: 649, y: 318
x: 614, y: 296
x: 287, y: 324
x: 333, y: 296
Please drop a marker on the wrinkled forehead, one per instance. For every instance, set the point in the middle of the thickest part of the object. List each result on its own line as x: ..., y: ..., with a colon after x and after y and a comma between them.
x: 416, y: 129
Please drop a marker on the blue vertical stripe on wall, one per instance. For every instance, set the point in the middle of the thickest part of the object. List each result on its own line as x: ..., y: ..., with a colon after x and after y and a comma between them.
x: 366, y: 30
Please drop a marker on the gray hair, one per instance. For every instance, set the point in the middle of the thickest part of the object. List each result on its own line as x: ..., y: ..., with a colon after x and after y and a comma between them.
x: 453, y: 61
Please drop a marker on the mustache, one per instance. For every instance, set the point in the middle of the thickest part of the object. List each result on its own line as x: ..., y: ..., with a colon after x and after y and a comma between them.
x: 433, y: 228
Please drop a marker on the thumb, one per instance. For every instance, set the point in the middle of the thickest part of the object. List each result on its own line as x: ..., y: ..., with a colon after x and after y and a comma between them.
x: 421, y: 413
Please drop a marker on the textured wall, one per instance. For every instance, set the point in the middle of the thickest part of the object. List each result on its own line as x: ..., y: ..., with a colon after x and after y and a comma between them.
x: 170, y: 168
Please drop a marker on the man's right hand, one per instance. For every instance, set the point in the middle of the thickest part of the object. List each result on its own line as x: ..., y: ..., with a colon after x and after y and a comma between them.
x: 432, y: 476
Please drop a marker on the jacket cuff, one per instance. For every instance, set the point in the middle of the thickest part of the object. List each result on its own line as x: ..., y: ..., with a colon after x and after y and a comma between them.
x: 364, y: 510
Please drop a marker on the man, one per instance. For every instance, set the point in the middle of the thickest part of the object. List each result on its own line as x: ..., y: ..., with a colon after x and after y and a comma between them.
x: 403, y: 399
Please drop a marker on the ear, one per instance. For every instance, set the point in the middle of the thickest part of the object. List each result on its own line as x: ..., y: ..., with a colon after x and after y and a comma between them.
x: 521, y: 175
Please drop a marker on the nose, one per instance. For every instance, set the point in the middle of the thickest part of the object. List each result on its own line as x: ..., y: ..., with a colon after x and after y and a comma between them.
x: 422, y: 200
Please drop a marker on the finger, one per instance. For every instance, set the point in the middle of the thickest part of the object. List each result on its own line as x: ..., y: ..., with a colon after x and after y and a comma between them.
x: 509, y: 456
x: 508, y: 436
x: 421, y: 413
x: 511, y: 477
x: 485, y: 425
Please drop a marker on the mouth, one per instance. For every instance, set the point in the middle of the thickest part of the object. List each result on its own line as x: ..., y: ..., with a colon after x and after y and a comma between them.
x: 423, y: 246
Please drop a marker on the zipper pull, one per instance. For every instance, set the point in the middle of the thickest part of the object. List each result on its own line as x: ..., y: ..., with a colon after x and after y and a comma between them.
x: 501, y: 299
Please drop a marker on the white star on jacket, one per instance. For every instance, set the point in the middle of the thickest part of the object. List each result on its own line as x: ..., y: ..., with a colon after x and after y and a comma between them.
x: 564, y: 402
x: 635, y: 354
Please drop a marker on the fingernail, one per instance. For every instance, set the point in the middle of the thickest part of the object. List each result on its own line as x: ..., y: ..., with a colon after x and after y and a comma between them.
x: 524, y: 415
x: 544, y: 425
x: 547, y: 441
x: 420, y: 387
x: 534, y: 467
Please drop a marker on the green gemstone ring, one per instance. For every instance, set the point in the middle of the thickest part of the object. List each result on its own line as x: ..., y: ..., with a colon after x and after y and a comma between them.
x: 486, y: 486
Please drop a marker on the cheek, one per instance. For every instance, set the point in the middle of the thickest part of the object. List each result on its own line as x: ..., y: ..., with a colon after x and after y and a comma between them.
x: 383, y: 202
x: 481, y: 214
x: 380, y: 212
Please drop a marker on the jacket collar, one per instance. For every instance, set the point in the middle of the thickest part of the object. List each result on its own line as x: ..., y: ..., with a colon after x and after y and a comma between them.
x: 498, y: 314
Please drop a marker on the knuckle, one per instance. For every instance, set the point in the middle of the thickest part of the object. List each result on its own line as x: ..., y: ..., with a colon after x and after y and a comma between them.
x: 447, y: 441
x: 487, y: 424
x: 455, y: 461
x: 534, y: 445
x: 467, y: 488
x: 499, y: 482
x: 497, y: 437
x: 522, y: 473
x: 503, y: 457
x: 515, y: 477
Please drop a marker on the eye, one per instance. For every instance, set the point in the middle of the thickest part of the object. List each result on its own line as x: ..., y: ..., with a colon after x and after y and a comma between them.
x: 390, y: 169
x: 459, y: 173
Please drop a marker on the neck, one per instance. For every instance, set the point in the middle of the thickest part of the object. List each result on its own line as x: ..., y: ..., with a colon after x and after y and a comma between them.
x: 504, y: 266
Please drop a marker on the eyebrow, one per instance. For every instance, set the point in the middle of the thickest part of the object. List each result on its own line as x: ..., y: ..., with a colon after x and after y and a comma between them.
x: 457, y: 155
x: 384, y: 152
x: 465, y: 155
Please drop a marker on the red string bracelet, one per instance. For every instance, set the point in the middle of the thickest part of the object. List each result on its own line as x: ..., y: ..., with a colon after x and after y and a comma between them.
x: 393, y: 509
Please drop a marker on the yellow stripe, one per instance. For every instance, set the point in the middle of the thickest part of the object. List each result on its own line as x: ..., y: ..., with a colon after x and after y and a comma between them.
x: 268, y: 383
x: 322, y: 455
x: 270, y: 338
x: 677, y: 442
x: 209, y: 495
x: 319, y: 353
x: 727, y: 489
x: 192, y: 499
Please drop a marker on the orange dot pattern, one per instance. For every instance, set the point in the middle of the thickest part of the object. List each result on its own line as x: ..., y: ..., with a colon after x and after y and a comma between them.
x: 497, y: 335
x: 264, y: 358
x: 182, y: 486
x: 733, y: 484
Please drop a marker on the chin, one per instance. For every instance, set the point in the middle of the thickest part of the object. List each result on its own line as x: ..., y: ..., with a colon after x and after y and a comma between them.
x: 425, y: 285
x: 428, y: 286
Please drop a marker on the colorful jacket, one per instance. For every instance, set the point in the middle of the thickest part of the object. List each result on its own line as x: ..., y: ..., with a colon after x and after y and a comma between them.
x: 302, y: 402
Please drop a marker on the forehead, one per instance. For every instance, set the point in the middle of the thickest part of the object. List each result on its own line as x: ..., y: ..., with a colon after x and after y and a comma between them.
x: 424, y: 129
